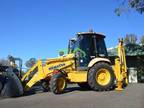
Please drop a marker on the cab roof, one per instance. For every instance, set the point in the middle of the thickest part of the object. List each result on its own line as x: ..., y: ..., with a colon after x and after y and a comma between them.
x: 91, y: 33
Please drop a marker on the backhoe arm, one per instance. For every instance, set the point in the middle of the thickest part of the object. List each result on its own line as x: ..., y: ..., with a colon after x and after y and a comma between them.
x: 121, y: 66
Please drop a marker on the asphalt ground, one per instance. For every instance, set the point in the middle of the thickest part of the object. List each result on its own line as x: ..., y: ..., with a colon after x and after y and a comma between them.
x: 131, y: 97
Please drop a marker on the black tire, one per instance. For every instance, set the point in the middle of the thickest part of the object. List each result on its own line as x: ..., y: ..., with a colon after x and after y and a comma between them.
x: 92, y: 77
x: 54, y: 83
x: 12, y: 86
x: 1, y: 86
x: 84, y: 85
x: 10, y: 89
x: 2, y: 81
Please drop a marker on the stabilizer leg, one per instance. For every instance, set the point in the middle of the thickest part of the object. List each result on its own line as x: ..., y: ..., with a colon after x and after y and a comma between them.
x: 119, y: 86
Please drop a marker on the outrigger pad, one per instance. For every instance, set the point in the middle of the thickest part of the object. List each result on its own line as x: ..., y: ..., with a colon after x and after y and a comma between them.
x: 12, y: 86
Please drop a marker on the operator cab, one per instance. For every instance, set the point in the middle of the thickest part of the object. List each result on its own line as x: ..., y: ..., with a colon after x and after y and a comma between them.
x: 87, y: 46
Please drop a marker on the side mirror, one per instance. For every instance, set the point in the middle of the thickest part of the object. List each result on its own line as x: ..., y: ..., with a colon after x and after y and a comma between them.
x: 61, y: 53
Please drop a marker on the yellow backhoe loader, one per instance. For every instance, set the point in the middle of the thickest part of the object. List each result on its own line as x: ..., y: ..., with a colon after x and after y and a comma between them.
x: 86, y: 64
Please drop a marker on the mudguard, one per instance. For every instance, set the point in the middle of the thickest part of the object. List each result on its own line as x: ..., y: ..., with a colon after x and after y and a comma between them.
x: 12, y: 86
x: 96, y: 60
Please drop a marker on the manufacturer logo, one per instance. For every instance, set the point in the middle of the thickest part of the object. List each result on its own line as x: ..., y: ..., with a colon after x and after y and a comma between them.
x: 57, y: 66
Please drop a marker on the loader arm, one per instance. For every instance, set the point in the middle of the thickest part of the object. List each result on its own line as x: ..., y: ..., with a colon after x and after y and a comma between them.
x: 33, y: 75
x: 41, y: 71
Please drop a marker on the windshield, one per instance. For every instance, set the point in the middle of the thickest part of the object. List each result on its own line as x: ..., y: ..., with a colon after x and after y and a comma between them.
x: 88, y: 45
x: 101, y: 47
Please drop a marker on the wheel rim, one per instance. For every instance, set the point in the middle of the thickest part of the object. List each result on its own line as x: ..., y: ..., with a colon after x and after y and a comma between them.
x: 61, y: 84
x: 103, y: 77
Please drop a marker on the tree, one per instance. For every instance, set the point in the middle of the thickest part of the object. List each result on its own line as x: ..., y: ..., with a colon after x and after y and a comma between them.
x: 138, y: 5
x: 133, y: 38
x: 130, y: 38
x: 142, y: 40
x: 127, y: 5
x: 30, y: 62
x: 127, y: 39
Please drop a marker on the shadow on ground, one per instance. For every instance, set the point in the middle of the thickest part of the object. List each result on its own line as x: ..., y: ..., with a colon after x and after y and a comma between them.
x: 38, y: 89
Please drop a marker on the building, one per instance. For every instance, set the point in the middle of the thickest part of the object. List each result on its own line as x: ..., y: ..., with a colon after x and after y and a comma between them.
x: 135, y: 61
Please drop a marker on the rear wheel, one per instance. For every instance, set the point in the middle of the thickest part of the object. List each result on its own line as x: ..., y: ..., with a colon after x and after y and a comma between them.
x: 101, y: 77
x: 58, y: 83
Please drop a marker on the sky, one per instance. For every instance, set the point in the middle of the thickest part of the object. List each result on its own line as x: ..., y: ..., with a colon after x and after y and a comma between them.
x: 40, y: 28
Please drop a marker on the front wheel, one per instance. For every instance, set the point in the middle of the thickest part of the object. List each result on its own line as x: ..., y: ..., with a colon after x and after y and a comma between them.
x: 58, y: 83
x: 101, y: 77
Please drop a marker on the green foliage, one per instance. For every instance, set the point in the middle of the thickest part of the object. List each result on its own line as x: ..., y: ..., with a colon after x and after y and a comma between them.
x: 131, y: 50
x: 138, y: 5
x: 140, y: 68
x: 127, y: 39
x: 30, y: 62
x: 127, y: 5
x: 131, y: 46
x: 142, y: 40
x: 130, y: 38
x: 118, y: 11
x: 61, y: 53
x: 133, y: 38
x: 134, y: 50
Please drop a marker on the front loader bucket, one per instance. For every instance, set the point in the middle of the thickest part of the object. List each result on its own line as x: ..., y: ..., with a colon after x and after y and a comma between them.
x: 12, y: 86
